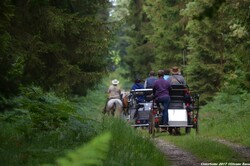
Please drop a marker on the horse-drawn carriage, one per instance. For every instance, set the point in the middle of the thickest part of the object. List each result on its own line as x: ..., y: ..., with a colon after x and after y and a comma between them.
x: 183, y: 110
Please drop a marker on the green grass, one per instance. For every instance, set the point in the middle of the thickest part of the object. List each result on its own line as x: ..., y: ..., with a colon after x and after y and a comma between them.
x: 205, y: 149
x: 228, y: 118
x: 42, y: 127
x: 130, y: 146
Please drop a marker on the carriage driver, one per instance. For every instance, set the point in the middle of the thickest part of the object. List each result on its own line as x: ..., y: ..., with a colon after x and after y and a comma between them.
x: 114, y: 92
x: 161, y: 89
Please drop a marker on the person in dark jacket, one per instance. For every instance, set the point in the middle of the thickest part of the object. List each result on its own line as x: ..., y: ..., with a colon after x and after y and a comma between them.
x: 161, y: 94
x: 138, y: 85
x: 149, y: 82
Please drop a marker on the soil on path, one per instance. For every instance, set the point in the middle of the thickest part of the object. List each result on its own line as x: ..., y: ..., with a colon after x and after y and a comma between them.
x: 177, y: 156
x: 242, y: 150
x: 180, y: 157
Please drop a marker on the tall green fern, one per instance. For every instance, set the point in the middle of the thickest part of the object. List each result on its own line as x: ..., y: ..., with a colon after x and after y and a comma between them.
x: 93, y: 153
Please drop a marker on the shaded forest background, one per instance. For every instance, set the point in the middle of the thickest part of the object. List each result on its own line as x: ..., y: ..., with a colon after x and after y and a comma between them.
x: 57, y: 45
x: 69, y: 46
x: 54, y: 52
x: 208, y: 40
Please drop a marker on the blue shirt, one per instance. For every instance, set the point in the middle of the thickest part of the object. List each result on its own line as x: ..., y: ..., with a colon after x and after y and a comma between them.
x: 161, y: 88
x: 150, y: 82
x: 165, y: 77
x: 138, y: 86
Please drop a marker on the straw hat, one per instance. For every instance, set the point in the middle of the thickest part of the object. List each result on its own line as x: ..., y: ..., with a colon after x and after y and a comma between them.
x: 175, y: 70
x: 115, y: 82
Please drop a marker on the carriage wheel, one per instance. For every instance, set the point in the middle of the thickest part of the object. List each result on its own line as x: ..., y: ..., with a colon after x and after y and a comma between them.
x: 177, y: 131
x: 151, y: 127
x: 195, y: 123
x: 192, y: 120
x: 187, y: 130
x: 197, y: 127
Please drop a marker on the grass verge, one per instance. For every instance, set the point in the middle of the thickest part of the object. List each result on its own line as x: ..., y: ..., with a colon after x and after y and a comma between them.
x: 205, y: 149
x: 227, y: 117
x: 41, y: 127
x: 130, y: 146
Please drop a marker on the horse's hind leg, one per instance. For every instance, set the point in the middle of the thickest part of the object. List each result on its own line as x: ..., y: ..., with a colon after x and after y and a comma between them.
x: 125, y: 111
x: 104, y: 111
x: 118, y: 112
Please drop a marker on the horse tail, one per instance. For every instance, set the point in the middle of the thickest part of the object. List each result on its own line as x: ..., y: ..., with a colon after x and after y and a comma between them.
x: 119, y: 107
x: 114, y: 107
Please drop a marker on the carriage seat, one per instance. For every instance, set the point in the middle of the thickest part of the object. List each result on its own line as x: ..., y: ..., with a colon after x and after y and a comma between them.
x: 177, y: 93
x: 146, y: 94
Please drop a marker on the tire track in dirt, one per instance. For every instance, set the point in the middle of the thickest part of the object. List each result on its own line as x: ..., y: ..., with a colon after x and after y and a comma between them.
x: 180, y: 157
x: 242, y: 150
x: 177, y: 156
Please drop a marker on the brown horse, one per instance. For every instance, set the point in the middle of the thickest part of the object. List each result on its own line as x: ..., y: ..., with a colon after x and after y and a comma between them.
x: 125, y: 102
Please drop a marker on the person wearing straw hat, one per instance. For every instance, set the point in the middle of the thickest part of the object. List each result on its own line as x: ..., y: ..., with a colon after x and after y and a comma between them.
x: 114, y: 92
x: 176, y: 78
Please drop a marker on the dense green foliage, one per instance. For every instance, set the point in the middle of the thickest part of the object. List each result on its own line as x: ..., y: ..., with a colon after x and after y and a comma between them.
x: 60, y: 45
x: 139, y: 53
x: 209, y: 40
x: 216, y: 43
x: 41, y: 127
x: 65, y: 47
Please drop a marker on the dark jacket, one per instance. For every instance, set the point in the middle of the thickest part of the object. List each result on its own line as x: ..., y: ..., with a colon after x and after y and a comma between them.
x: 161, y: 88
x: 138, y: 86
x: 150, y: 82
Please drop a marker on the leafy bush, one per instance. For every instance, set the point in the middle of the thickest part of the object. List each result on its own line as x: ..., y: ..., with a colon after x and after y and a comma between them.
x: 42, y: 126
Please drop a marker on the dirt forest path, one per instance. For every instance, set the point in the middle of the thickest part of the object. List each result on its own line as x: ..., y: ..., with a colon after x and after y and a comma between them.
x: 242, y: 150
x: 180, y: 157
x: 177, y: 156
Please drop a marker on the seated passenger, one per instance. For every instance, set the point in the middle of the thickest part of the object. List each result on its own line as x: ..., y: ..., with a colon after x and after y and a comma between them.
x: 166, y: 74
x: 176, y: 78
x: 149, y: 82
x: 138, y: 85
x: 178, y: 87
